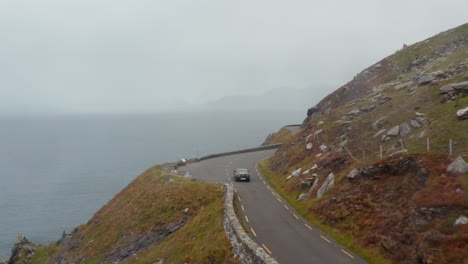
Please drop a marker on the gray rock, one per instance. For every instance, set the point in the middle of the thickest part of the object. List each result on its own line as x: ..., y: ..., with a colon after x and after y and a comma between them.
x: 425, y: 79
x: 160, y: 261
x: 384, y: 138
x: 327, y: 185
x: 462, y: 114
x: 354, y: 112
x: 378, y: 133
x: 394, y: 131
x: 461, y: 87
x: 446, y: 89
x: 404, y: 129
x: 368, y: 109
x: 419, y: 114
x: 168, y: 181
x: 23, y: 248
x: 461, y: 220
x: 302, y: 196
x: 399, y: 152
x: 143, y: 241
x: 318, y: 132
x: 402, y: 86
x: 309, y: 146
x: 352, y: 174
x: 421, y: 120
x: 412, y: 89
x: 379, y: 123
x: 415, y: 123
x: 440, y: 75
x: 419, y: 62
x: 445, y: 98
x: 343, y: 143
x: 422, y: 134
x: 458, y: 166
x: 385, y: 99
x: 345, y: 123
x: 186, y: 210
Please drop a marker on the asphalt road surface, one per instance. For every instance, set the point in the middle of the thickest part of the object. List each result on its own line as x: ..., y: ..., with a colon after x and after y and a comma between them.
x: 273, y: 223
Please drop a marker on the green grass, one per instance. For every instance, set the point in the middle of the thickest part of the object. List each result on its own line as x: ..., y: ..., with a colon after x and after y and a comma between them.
x: 148, y: 203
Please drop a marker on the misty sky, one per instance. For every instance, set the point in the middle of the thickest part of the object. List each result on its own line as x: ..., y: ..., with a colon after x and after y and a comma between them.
x: 81, y: 56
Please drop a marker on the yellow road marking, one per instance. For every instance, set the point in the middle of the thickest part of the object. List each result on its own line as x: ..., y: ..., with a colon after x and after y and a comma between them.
x: 232, y: 184
x: 238, y: 197
x: 325, y: 239
x: 242, y: 208
x: 308, y: 226
x: 253, y: 232
x: 268, y: 187
x: 273, y: 193
x: 351, y: 256
x: 246, y: 218
x: 287, y: 208
x: 297, y: 217
x: 264, y: 182
x: 279, y: 199
x: 235, y: 190
x: 265, y: 247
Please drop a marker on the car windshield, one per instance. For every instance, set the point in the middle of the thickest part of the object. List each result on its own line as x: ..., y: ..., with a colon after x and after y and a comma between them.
x: 242, y: 171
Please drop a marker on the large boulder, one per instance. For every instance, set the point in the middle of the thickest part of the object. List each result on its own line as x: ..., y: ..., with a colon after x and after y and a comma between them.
x: 327, y: 185
x: 404, y: 129
x: 462, y: 114
x: 394, y: 131
x: 458, y: 166
x: 425, y: 79
x: 461, y: 86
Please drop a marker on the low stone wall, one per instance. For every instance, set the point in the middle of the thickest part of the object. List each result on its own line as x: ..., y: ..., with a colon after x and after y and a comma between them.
x: 273, y: 146
x: 245, y: 249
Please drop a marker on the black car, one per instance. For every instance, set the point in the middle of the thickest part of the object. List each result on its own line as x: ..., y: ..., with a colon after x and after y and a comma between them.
x: 241, y: 174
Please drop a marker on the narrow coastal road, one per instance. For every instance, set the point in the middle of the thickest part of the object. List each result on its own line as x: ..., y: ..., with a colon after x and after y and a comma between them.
x: 273, y: 223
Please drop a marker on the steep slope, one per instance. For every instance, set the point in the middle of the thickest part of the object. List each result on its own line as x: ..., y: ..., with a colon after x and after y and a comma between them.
x: 157, y: 217
x: 399, y: 123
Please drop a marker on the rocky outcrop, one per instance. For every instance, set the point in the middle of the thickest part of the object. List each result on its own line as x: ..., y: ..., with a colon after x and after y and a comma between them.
x: 458, y: 166
x: 327, y: 185
x: 394, y: 168
x: 425, y: 79
x: 452, y: 91
x: 462, y: 114
x: 245, y: 249
x: 143, y: 241
x: 22, y: 250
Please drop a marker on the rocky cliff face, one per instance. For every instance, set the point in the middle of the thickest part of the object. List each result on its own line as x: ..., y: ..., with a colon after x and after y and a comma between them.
x: 22, y: 251
x: 391, y: 138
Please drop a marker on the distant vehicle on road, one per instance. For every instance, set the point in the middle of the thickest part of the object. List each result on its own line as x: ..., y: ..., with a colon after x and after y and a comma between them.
x: 241, y: 174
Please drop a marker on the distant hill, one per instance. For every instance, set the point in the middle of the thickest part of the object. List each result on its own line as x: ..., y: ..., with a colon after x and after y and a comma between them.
x: 374, y: 161
x: 281, y: 98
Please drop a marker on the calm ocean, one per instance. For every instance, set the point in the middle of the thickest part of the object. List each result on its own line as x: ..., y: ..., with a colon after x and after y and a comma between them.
x: 57, y: 171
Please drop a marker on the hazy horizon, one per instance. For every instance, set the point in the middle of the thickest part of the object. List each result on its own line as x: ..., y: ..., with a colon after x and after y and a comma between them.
x: 105, y: 56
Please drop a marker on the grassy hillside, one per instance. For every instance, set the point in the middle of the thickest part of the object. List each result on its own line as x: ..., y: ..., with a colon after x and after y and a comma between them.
x: 158, y: 216
x: 386, y: 117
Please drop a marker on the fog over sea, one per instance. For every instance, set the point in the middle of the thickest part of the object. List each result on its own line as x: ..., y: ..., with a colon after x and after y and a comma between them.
x: 57, y: 171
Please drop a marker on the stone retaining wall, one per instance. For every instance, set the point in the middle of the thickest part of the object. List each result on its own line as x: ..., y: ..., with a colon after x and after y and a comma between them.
x: 273, y: 146
x: 245, y: 249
